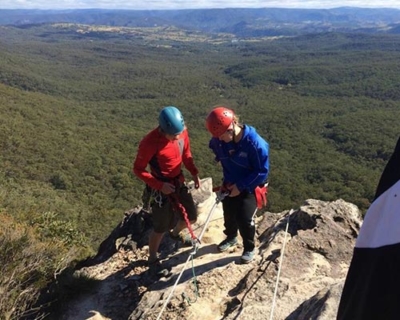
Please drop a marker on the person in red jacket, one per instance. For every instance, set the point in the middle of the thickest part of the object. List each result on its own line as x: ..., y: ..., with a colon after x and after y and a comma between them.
x: 164, y: 150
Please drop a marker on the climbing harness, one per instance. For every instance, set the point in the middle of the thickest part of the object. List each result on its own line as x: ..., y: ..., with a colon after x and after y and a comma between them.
x: 280, y: 266
x: 221, y: 194
x: 149, y: 195
x: 158, y: 197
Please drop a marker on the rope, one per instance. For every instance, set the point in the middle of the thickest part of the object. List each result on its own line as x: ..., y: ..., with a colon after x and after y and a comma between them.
x: 280, y: 267
x: 174, y: 197
x: 220, y: 197
x: 217, y: 201
x: 179, y: 207
x: 174, y: 287
x: 196, y: 289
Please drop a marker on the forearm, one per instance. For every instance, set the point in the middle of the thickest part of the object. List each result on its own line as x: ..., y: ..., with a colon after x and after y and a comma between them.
x: 148, y: 178
x: 190, y: 166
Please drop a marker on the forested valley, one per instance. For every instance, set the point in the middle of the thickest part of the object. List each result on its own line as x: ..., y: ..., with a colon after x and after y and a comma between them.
x: 74, y: 106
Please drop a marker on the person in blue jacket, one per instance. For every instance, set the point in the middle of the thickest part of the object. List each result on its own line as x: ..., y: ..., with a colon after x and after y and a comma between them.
x: 244, y: 156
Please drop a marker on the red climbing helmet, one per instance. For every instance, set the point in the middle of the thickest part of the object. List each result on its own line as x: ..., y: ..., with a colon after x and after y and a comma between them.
x: 219, y: 120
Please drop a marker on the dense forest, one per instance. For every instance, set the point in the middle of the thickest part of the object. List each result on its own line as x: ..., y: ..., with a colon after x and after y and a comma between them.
x: 74, y: 106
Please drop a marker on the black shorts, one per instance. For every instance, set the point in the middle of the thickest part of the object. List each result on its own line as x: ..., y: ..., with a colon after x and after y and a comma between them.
x: 165, y: 217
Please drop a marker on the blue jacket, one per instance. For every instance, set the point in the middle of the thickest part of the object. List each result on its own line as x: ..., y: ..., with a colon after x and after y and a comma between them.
x: 245, y: 163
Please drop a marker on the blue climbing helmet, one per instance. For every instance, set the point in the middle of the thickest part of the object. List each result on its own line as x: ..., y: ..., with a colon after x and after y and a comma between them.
x: 171, y: 120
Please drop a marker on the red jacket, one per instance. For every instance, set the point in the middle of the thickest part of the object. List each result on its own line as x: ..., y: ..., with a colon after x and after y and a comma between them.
x: 165, y: 158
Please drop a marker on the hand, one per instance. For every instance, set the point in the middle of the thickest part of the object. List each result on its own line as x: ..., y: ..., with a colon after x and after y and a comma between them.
x: 233, y: 190
x: 167, y: 188
x: 196, y: 181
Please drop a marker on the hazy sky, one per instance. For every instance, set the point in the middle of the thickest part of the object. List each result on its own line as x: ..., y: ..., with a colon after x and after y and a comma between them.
x: 188, y: 4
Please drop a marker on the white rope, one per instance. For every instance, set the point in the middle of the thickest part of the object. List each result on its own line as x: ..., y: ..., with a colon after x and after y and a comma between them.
x: 280, y: 267
x: 208, y: 220
x: 220, y: 197
x: 173, y: 288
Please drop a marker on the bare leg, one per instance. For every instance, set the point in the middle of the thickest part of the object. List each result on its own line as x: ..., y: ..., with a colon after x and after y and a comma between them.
x: 181, y: 224
x: 154, y: 242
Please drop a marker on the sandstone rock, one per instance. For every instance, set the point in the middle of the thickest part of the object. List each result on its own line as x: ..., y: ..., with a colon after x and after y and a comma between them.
x: 297, y: 274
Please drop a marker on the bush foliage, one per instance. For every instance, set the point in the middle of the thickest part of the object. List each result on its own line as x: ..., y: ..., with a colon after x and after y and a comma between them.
x: 74, y: 107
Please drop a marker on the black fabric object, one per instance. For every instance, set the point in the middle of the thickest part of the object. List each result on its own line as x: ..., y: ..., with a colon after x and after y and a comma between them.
x: 238, y: 215
x: 372, y: 287
x: 391, y: 173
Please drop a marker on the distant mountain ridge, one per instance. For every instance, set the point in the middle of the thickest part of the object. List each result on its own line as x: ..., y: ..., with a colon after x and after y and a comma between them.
x: 243, y: 22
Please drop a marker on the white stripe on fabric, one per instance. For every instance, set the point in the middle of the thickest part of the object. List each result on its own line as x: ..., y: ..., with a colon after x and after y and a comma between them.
x: 381, y: 225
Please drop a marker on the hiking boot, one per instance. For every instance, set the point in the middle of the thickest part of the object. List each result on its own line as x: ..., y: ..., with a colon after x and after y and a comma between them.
x: 157, y: 269
x: 226, y: 244
x: 247, y: 256
x: 185, y: 239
